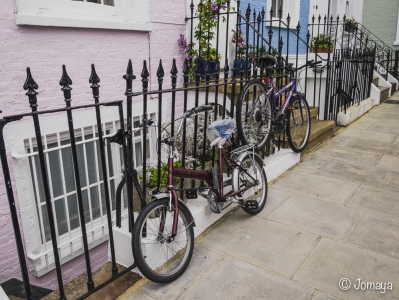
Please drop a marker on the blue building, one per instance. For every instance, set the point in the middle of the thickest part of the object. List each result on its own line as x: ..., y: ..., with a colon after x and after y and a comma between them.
x: 298, y: 10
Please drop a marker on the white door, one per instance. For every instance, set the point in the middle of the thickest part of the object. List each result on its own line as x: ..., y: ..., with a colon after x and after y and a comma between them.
x: 316, y: 8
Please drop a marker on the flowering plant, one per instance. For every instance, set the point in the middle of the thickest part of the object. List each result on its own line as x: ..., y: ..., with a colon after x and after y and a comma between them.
x: 208, y: 15
x: 190, y: 56
x: 238, y: 39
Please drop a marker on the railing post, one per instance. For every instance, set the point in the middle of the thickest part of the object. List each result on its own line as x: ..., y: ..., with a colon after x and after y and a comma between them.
x: 13, y: 210
x: 160, y: 75
x: 31, y: 86
x: 66, y: 83
x: 94, y: 80
x: 144, y: 79
x: 128, y: 149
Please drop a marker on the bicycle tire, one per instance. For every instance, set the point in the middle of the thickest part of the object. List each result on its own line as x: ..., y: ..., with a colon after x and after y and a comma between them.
x: 254, y: 124
x: 254, y: 165
x: 160, y: 260
x: 298, y: 132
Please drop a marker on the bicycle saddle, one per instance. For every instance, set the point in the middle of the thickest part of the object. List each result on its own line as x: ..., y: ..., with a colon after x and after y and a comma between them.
x: 268, y: 60
x: 219, y: 131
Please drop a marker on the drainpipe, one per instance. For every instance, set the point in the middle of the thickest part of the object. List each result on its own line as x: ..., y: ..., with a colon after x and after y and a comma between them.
x: 328, y: 12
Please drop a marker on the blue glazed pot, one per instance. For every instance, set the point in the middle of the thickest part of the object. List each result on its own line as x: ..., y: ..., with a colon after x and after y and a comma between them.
x: 239, y: 63
x: 212, y: 67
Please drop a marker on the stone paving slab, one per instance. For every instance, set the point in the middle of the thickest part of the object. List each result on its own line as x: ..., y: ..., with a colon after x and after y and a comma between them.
x: 313, y: 164
x: 377, y: 234
x: 317, y: 217
x: 317, y: 186
x: 383, y: 126
x: 354, y: 173
x: 363, y: 123
x: 322, y: 296
x: 380, y: 115
x: 376, y: 201
x: 375, y: 147
x: 234, y: 279
x: 396, y: 141
x: 138, y: 296
x: 331, y: 261
x: 391, y: 181
x: 369, y: 135
x: 349, y: 155
x: 340, y: 141
x: 274, y: 199
x: 389, y: 163
x: 264, y: 243
x: 203, y: 259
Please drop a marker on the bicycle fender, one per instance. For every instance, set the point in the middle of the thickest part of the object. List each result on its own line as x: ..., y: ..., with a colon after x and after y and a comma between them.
x: 166, y: 195
x: 236, y: 170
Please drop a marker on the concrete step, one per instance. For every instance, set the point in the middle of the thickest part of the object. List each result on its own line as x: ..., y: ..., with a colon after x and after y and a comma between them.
x: 384, y: 93
x: 394, y: 86
x: 314, y: 111
x: 375, y: 80
x: 319, y: 132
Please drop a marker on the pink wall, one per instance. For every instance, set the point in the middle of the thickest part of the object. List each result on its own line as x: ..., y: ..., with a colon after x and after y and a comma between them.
x: 44, y: 50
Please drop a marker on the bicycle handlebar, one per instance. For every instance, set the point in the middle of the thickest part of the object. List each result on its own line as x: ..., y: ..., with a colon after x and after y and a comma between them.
x: 147, y: 123
x: 196, y: 110
x: 310, y: 63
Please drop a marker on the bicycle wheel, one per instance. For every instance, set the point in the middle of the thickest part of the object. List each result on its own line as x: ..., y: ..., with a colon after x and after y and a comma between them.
x: 298, y: 127
x: 159, y: 258
x: 254, y: 114
x: 254, y: 167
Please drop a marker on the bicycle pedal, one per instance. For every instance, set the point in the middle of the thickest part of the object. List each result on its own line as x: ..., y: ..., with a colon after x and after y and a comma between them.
x: 251, y: 204
x: 191, y: 194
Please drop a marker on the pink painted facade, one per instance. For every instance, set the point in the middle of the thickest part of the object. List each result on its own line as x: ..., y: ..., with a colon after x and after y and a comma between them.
x: 44, y: 50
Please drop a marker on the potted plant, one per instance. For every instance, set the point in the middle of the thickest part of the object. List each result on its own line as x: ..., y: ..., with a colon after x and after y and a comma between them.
x: 350, y: 25
x: 208, y: 55
x: 322, y: 44
x: 207, y: 14
x: 238, y: 39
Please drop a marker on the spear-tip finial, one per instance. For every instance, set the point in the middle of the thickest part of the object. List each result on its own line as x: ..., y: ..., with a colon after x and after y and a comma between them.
x: 144, y: 73
x: 129, y: 72
x: 174, y: 71
x: 94, y: 79
x: 30, y: 83
x: 160, y: 71
x: 65, y: 80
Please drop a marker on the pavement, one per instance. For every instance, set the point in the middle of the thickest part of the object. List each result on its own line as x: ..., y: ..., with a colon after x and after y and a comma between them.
x: 331, y: 220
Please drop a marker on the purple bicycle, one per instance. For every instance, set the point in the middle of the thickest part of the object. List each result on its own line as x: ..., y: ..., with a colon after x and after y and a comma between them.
x: 258, y: 115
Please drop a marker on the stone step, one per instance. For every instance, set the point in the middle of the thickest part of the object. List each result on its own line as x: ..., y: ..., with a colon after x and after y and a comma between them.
x: 394, y: 86
x: 319, y: 132
x: 375, y: 80
x: 314, y: 111
x: 384, y: 93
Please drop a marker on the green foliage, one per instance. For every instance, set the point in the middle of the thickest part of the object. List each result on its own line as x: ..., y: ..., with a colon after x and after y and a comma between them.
x: 351, y: 23
x: 152, y: 179
x: 322, y: 41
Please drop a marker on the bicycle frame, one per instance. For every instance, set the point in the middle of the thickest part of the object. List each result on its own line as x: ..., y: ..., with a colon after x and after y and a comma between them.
x: 275, y: 96
x: 202, y: 175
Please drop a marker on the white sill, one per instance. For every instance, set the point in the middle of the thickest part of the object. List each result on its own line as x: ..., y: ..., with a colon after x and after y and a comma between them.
x: 117, y: 23
x: 396, y: 43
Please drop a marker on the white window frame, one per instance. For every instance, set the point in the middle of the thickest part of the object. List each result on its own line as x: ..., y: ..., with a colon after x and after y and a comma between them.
x: 289, y: 7
x: 125, y: 15
x: 40, y: 255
